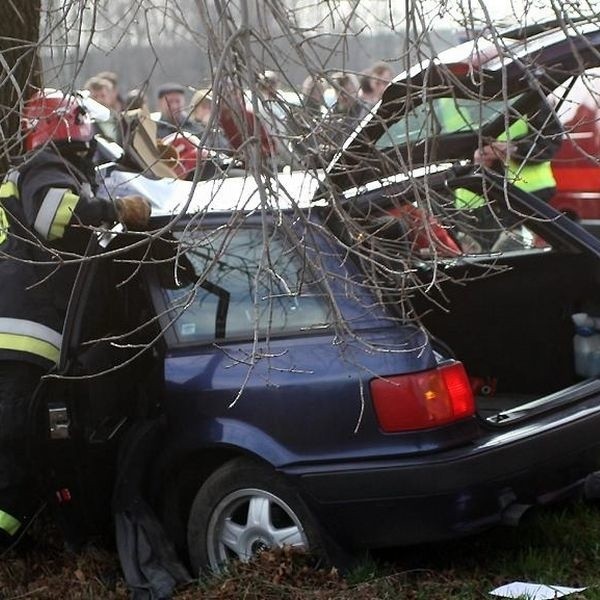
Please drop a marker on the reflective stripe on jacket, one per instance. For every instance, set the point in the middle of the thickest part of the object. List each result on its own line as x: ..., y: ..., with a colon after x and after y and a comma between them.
x: 528, y: 177
x: 8, y: 523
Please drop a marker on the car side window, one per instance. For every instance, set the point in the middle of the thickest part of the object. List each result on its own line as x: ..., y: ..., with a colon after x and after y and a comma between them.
x: 443, y: 115
x: 243, y: 288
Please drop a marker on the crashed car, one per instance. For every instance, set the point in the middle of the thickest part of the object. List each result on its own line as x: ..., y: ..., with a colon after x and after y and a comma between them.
x: 244, y: 378
x: 309, y: 415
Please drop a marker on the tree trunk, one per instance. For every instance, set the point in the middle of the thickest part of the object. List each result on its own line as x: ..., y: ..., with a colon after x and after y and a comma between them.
x: 19, y: 69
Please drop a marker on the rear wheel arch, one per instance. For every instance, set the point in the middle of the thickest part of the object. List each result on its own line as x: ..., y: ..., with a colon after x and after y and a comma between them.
x: 234, y: 488
x: 180, y: 481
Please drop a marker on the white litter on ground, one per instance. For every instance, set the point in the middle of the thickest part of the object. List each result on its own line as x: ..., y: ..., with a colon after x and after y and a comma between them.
x: 533, y: 591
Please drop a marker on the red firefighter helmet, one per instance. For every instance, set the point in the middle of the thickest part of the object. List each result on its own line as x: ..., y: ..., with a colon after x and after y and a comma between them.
x: 188, y: 148
x: 52, y: 115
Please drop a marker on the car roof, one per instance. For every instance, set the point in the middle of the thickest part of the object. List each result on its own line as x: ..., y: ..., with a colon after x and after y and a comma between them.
x: 169, y: 196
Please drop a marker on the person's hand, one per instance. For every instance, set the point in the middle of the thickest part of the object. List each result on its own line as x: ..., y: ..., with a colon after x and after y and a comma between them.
x: 133, y: 212
x: 491, y: 153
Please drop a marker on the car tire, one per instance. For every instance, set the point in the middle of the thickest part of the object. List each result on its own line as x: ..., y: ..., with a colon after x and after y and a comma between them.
x: 245, y: 507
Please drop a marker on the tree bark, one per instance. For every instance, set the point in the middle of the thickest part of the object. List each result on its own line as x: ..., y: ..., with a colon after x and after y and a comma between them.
x: 19, y: 69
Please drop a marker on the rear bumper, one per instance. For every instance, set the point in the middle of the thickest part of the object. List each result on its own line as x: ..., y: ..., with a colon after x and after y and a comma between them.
x: 451, y: 494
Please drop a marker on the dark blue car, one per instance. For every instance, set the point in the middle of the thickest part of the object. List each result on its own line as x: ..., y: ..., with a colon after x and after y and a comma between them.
x: 280, y: 402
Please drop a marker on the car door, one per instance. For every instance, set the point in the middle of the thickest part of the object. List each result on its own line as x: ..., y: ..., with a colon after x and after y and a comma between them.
x: 96, y: 391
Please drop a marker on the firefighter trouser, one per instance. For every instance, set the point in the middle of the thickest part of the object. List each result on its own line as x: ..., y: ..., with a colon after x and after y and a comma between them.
x: 18, y: 381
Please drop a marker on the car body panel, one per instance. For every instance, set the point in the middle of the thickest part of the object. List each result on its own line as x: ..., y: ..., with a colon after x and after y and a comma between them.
x: 460, y: 491
x: 172, y: 196
x: 307, y: 379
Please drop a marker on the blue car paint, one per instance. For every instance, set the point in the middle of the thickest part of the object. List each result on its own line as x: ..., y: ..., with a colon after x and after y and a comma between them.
x: 308, y: 402
x: 303, y: 398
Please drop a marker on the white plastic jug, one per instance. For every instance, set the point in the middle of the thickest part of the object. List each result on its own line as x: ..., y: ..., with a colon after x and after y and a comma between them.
x: 586, y: 346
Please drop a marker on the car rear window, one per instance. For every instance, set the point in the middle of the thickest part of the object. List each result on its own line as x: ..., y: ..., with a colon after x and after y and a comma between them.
x: 245, y: 286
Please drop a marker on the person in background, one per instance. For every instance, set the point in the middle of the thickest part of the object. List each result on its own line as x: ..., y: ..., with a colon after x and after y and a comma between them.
x: 303, y: 122
x: 271, y: 106
x: 273, y: 113
x: 348, y: 110
x: 116, y: 103
x: 381, y: 74
x: 367, y: 91
x: 200, y: 117
x: 522, y: 154
x: 172, y: 107
x: 239, y: 124
x: 373, y: 82
x: 102, y: 91
x: 313, y: 96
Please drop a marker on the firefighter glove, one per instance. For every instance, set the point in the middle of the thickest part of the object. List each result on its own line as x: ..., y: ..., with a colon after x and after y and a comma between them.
x: 133, y: 212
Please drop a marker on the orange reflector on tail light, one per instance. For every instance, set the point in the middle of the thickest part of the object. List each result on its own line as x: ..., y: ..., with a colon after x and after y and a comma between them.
x: 422, y: 400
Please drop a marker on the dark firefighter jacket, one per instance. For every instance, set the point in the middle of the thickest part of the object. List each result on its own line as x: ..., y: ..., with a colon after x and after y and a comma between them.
x: 44, y: 205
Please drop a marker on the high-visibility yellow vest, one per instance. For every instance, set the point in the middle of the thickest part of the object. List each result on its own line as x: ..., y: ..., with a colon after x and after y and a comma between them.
x: 526, y: 177
x: 452, y: 116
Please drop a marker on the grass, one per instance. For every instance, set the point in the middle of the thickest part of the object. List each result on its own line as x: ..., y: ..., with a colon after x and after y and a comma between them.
x: 560, y: 546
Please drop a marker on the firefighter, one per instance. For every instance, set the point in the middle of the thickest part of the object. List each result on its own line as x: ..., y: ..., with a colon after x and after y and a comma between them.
x: 47, y: 206
x: 522, y: 153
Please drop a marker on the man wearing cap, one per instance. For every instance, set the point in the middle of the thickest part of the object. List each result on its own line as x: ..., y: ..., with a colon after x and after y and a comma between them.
x: 171, y: 104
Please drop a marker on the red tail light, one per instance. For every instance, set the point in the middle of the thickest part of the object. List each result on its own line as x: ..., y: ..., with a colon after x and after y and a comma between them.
x: 422, y: 400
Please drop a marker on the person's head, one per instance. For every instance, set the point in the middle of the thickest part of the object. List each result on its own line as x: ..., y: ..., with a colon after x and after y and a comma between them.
x: 101, y: 90
x: 136, y: 99
x: 313, y: 90
x: 366, y: 86
x: 111, y: 76
x: 268, y: 84
x: 346, y: 86
x: 115, y: 99
x: 171, y: 102
x: 201, y: 106
x: 52, y: 116
x: 381, y: 74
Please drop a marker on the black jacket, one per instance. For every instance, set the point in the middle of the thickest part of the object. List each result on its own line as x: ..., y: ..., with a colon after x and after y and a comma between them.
x: 44, y: 206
